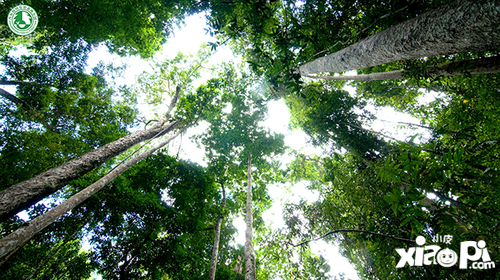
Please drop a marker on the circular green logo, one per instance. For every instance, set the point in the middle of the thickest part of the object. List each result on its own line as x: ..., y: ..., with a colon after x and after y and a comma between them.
x: 22, y: 20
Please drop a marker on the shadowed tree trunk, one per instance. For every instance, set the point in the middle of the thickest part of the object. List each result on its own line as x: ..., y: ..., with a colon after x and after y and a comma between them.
x: 22, y: 195
x: 18, y: 237
x: 215, y: 253
x: 474, y: 67
x: 249, y: 254
x: 461, y: 26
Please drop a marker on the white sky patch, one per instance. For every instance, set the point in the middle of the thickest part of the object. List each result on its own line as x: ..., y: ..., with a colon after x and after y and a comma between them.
x: 337, y: 262
x: 391, y: 123
x: 186, y: 148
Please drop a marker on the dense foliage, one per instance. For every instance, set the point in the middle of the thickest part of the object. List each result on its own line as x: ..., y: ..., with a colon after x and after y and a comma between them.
x: 158, y: 219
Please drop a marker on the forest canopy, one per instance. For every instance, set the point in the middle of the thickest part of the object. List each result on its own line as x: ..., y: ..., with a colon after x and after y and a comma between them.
x: 91, y: 186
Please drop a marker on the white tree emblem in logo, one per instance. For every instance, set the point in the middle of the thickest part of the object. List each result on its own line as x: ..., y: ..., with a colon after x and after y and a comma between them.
x: 22, y: 20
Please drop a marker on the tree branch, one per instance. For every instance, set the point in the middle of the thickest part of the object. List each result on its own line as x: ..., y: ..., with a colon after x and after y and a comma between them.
x: 356, y: 230
x: 21, y: 104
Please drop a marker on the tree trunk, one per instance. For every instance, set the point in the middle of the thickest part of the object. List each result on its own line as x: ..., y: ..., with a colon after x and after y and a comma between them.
x: 249, y: 254
x: 486, y: 65
x: 23, y: 234
x: 22, y: 195
x: 461, y: 26
x: 215, y: 253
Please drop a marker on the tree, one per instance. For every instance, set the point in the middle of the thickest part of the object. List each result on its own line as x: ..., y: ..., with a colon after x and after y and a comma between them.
x: 250, y: 269
x: 215, y: 252
x: 138, y: 28
x: 154, y: 221
x: 60, y: 117
x: 330, y: 114
x: 23, y: 194
x: 185, y: 113
x: 24, y: 234
x: 55, y: 252
x: 236, y: 138
x: 446, y: 30
x: 467, y: 67
x: 371, y: 206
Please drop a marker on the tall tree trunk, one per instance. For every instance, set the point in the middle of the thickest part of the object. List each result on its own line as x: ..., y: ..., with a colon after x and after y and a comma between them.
x: 461, y: 26
x: 249, y: 254
x: 18, y: 237
x: 475, y: 66
x: 215, y: 253
x: 22, y: 195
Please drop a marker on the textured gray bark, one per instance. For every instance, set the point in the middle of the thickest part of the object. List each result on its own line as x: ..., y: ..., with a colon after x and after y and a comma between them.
x: 389, y: 75
x: 486, y: 65
x: 215, y: 252
x: 22, y: 195
x: 461, y: 26
x: 21, y: 235
x: 249, y: 254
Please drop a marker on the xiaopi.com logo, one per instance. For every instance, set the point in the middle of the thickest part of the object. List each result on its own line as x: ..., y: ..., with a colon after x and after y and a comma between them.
x: 473, y: 255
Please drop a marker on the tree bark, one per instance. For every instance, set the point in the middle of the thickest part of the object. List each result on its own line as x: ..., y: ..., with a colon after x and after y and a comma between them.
x: 18, y: 237
x: 461, y: 26
x: 215, y: 253
x: 249, y: 254
x: 486, y: 65
x: 22, y: 195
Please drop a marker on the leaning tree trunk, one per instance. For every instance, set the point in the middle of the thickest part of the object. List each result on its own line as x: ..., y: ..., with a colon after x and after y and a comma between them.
x: 249, y: 254
x: 486, y: 65
x: 215, y: 253
x: 461, y: 26
x: 20, y: 196
x: 21, y: 235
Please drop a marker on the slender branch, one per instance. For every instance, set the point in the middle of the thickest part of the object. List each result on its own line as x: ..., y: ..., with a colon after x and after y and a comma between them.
x: 356, y: 230
x: 406, y: 123
x: 16, y: 83
x: 215, y: 252
x: 20, y: 103
x: 458, y: 203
